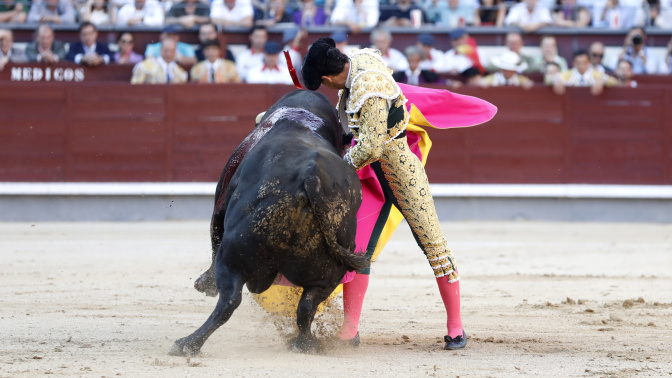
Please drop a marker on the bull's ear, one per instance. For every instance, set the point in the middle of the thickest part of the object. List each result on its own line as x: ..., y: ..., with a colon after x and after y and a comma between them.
x: 347, y: 139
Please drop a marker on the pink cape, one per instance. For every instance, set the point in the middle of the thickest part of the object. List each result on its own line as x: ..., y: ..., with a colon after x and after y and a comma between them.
x: 441, y: 109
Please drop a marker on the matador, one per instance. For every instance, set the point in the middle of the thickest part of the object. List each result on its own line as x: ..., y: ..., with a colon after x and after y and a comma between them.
x: 372, y: 106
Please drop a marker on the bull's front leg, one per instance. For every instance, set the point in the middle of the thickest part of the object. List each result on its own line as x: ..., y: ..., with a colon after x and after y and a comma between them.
x: 230, y: 284
x: 305, y: 314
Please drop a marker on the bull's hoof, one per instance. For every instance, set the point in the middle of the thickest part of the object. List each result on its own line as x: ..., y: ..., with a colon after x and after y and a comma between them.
x: 311, y: 346
x: 182, y: 348
x: 206, y: 284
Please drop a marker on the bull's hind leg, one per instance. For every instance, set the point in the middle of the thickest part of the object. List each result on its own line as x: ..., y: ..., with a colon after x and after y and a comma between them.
x: 230, y: 285
x: 305, y: 313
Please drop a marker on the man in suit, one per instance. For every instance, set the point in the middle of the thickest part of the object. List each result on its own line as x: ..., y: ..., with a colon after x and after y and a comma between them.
x: 45, y: 49
x: 8, y: 53
x: 160, y: 70
x: 88, y: 52
x: 214, y: 69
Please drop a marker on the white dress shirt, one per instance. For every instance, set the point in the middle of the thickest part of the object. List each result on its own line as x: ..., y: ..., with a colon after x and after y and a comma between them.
x: 519, y: 15
x: 345, y: 10
x: 212, y: 68
x: 264, y: 75
x: 246, y: 60
x: 578, y: 80
x: 151, y: 14
x: 395, y: 60
x: 434, y: 61
x: 454, y: 61
x: 240, y: 11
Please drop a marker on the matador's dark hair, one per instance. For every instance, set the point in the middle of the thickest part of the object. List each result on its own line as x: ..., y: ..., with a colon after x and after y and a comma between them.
x: 322, y: 59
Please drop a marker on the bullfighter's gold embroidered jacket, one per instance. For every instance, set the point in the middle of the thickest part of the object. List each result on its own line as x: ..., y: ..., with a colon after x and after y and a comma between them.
x: 373, y: 106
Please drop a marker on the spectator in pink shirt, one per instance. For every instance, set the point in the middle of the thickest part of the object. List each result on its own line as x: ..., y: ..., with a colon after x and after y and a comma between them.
x: 126, y: 55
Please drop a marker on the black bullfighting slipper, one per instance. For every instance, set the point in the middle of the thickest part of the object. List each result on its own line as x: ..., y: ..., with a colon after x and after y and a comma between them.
x: 458, y: 342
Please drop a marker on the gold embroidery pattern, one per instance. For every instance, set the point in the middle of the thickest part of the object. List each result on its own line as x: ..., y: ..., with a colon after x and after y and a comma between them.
x: 408, y: 181
x: 369, y: 77
x: 372, y: 92
x: 371, y: 133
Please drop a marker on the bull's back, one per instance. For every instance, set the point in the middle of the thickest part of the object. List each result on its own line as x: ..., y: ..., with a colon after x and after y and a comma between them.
x: 269, y: 203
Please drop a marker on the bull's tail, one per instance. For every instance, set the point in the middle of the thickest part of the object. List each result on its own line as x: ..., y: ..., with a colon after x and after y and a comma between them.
x: 351, y: 260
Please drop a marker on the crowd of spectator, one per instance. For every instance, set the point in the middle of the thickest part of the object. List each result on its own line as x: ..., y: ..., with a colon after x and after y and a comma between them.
x: 529, y: 15
x: 167, y: 61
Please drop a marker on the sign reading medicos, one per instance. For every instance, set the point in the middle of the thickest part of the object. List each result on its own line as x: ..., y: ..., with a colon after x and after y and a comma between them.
x: 47, y: 74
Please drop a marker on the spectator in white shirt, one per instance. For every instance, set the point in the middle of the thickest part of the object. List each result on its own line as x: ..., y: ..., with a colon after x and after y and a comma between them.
x: 356, y: 14
x: 433, y: 58
x: 454, y: 61
x: 291, y: 39
x: 663, y: 19
x: 232, y: 13
x: 381, y: 39
x: 269, y: 72
x: 618, y: 14
x: 255, y: 54
x: 529, y: 16
x: 141, y: 12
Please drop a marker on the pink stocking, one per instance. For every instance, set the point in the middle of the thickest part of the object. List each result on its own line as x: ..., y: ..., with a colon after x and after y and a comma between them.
x: 353, y: 299
x: 450, y: 293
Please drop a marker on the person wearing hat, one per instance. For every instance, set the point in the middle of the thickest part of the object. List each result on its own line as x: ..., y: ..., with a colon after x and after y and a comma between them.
x: 270, y: 71
x: 341, y: 40
x: 185, y: 53
x: 214, y: 69
x: 508, y: 65
x: 291, y: 39
x: 162, y: 69
x: 463, y: 56
x: 372, y: 106
x: 433, y: 58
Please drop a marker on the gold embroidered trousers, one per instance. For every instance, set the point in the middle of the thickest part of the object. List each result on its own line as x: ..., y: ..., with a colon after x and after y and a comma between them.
x: 405, y: 178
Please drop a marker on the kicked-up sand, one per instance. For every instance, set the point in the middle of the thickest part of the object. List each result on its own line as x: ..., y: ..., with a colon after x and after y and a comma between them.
x: 538, y: 299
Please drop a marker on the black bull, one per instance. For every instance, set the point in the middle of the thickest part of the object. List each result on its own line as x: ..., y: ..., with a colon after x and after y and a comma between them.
x: 289, y: 208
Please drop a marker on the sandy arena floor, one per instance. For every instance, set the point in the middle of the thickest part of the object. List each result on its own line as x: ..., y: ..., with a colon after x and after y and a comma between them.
x: 543, y: 299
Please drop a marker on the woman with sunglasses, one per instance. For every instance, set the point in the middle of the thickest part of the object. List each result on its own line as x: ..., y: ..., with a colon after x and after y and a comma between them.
x: 126, y: 55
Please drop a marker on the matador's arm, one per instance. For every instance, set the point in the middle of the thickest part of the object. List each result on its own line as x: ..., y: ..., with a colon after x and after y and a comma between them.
x: 372, y: 133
